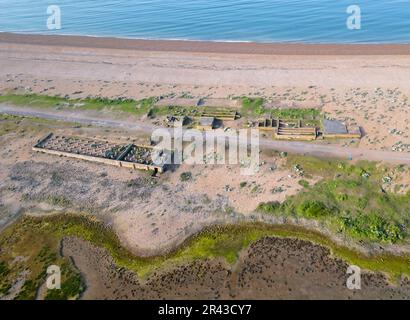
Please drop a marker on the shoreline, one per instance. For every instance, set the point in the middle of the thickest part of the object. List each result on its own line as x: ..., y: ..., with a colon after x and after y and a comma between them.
x: 194, y: 46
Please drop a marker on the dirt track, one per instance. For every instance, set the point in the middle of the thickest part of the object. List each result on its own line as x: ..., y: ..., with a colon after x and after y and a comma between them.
x: 327, y: 151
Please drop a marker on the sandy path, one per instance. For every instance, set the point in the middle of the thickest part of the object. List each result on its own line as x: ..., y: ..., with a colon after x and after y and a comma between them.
x: 287, y: 146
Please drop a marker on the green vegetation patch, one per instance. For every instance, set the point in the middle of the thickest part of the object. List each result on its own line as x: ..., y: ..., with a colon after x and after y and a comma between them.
x: 26, y: 125
x: 373, y: 227
x: 294, y: 113
x: 252, y: 106
x: 139, y: 108
x: 269, y: 207
x: 186, y: 176
x: 35, y: 100
x: 143, y: 107
x: 303, y: 183
x: 5, y: 285
x: 312, y: 209
x: 70, y: 288
x: 146, y: 107
x: 27, y: 251
x: 350, y: 199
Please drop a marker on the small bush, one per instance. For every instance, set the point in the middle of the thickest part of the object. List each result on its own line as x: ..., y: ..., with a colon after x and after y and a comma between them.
x: 268, y: 207
x: 312, y: 209
x: 28, y: 292
x: 56, y: 178
x: 342, y: 197
x: 59, y: 201
x: 304, y: 183
x: 362, y: 202
x: 185, y: 176
x: 373, y: 227
x: 4, y: 270
x: 150, y: 113
x: 5, y: 288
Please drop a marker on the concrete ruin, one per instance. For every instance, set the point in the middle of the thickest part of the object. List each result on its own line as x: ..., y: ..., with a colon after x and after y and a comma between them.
x: 302, y: 130
x: 337, y: 129
x: 295, y: 130
x: 206, y: 123
x: 288, y: 129
x: 102, y: 151
x: 268, y: 125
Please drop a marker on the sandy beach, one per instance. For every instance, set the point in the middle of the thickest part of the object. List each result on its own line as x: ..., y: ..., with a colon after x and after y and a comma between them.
x: 136, y: 67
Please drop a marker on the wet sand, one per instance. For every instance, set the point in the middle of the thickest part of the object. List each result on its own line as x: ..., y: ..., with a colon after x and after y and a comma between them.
x: 208, y: 46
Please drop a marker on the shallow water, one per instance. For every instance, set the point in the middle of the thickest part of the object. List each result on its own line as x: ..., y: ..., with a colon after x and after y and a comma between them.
x: 318, y: 21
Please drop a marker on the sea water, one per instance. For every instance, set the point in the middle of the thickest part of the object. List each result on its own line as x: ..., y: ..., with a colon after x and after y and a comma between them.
x: 310, y: 21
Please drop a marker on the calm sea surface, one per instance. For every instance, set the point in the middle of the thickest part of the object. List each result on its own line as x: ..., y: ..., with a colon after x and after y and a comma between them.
x: 318, y: 21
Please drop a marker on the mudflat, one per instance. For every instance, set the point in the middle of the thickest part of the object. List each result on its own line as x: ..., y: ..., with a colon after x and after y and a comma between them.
x: 270, y: 268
